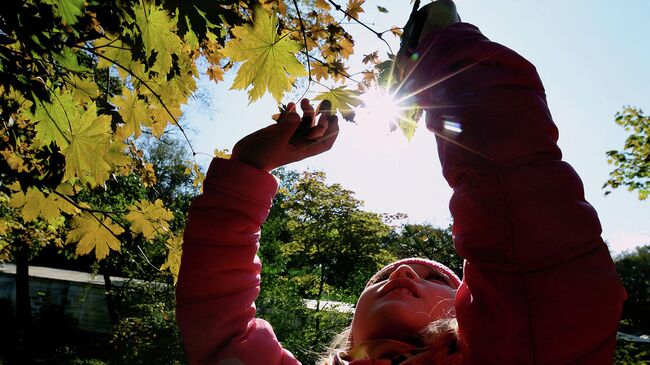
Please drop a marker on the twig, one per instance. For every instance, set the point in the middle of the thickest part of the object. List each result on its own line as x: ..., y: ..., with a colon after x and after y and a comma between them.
x: 306, y: 51
x: 378, y: 34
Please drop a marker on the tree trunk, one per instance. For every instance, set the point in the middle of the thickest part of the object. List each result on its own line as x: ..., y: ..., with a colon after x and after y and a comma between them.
x: 110, y: 299
x: 318, y: 299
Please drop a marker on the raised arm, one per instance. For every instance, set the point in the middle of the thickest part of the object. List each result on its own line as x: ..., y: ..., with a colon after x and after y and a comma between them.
x: 219, y: 278
x: 539, y: 283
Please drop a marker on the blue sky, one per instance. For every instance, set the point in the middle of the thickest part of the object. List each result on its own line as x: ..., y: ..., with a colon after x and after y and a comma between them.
x: 593, y: 57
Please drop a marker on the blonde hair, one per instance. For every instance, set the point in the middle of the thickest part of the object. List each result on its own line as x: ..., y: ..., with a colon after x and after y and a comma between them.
x: 440, y: 339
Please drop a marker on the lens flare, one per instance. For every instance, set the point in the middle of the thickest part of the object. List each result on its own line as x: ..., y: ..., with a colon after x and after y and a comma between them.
x: 378, y: 107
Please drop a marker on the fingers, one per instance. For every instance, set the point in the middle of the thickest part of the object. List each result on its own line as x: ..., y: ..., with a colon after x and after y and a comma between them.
x: 307, y: 112
x: 328, y: 138
x: 324, y: 109
x: 288, y: 123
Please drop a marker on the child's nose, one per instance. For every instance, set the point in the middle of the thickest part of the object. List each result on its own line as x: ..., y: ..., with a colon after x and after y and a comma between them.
x: 404, y: 271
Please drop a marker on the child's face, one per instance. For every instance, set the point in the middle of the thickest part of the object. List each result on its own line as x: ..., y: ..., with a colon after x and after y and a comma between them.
x: 403, y: 304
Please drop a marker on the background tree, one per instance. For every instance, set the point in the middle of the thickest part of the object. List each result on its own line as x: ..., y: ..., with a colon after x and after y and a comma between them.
x: 632, y: 164
x: 425, y: 240
x: 634, y: 271
x: 317, y: 243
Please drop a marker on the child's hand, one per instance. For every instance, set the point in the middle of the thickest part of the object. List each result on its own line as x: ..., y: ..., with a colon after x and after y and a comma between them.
x: 282, y: 143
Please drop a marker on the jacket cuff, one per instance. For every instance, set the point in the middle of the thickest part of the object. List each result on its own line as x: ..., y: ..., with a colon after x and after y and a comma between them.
x: 241, y: 180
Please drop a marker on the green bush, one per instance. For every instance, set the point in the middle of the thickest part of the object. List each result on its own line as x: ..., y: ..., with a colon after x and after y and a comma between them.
x: 630, y: 353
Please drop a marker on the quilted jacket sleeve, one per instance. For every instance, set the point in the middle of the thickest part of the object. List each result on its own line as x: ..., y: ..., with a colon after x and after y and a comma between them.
x: 219, y: 277
x: 539, y: 284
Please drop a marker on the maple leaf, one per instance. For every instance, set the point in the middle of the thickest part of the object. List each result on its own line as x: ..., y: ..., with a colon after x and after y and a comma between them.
x: 371, y: 58
x: 215, y: 73
x: 133, y: 111
x: 94, y: 233
x: 346, y: 47
x: 158, y: 33
x: 319, y: 71
x: 343, y: 100
x: 369, y: 77
x: 85, y: 156
x: 269, y: 61
x: 114, y: 50
x: 397, y: 31
x: 322, y: 4
x: 175, y: 251
x: 35, y: 204
x: 408, y: 120
x: 52, y: 119
x: 15, y: 161
x: 354, y: 8
x: 82, y: 87
x: 68, y: 10
x: 149, y: 219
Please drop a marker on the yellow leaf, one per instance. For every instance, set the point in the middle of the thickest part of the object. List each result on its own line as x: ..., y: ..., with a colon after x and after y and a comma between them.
x: 86, y: 157
x: 114, y: 51
x: 133, y: 111
x: 82, y: 88
x: 225, y: 154
x: 158, y: 34
x: 215, y: 73
x: 91, y: 234
x: 175, y: 251
x: 14, y: 161
x: 322, y: 4
x: 149, y: 219
x: 319, y: 71
x: 397, y: 31
x: 269, y: 59
x: 4, y: 228
x: 35, y: 204
x: 343, y: 100
x: 347, y: 47
x: 354, y: 8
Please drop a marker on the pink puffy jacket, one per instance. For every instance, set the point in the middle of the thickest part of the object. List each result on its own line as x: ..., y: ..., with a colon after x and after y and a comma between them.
x: 539, y: 285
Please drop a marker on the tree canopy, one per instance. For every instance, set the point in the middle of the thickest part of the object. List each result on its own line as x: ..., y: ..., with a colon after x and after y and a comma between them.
x: 632, y: 163
x: 82, y: 81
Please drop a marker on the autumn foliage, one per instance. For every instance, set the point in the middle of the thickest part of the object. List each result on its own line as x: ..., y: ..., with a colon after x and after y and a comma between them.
x: 81, y: 82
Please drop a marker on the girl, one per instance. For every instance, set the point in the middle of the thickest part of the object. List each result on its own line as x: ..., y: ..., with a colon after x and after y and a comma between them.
x: 539, y: 285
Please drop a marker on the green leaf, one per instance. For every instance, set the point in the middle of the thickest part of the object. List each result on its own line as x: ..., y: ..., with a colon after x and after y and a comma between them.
x: 408, y: 120
x: 68, y: 10
x: 381, y: 9
x: 53, y: 119
x: 343, y: 100
x: 269, y: 61
x: 158, y: 34
x: 68, y: 59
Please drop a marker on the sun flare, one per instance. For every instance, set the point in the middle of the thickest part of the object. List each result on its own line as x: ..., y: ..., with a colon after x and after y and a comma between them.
x: 379, y: 108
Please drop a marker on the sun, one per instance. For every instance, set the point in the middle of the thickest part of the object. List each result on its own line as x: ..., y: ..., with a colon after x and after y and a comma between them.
x: 379, y: 108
